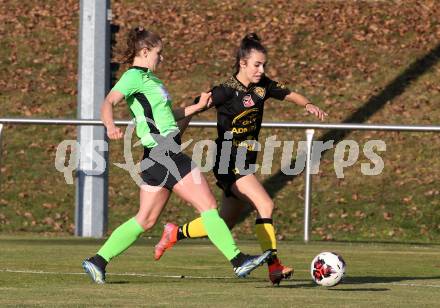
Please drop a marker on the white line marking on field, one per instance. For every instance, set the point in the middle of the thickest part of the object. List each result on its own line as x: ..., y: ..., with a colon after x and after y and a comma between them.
x: 191, y: 277
x: 113, y: 274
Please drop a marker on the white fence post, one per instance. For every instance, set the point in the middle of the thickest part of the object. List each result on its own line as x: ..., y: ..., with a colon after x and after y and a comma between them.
x: 308, y: 184
x: 1, y: 129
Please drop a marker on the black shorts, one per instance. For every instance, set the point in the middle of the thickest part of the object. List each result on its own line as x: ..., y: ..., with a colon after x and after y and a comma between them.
x: 167, y: 173
x: 226, y: 180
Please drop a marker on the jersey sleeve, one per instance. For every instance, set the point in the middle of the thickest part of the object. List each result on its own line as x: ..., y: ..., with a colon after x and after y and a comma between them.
x: 220, y: 95
x: 277, y: 90
x: 128, y: 84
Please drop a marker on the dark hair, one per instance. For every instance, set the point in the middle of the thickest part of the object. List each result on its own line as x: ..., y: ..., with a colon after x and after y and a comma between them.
x: 139, y: 38
x: 250, y: 42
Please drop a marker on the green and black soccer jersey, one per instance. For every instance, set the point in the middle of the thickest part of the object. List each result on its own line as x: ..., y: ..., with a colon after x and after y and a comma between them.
x: 149, y: 104
x: 240, y: 111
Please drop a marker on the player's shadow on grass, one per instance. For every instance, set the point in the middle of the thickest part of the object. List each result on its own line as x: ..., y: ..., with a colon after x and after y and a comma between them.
x: 311, y: 285
x: 141, y: 281
x: 377, y: 279
x: 117, y: 282
x: 287, y: 285
x: 357, y: 280
x: 167, y: 280
x: 353, y: 280
x: 350, y: 281
x: 359, y: 290
x: 395, y: 88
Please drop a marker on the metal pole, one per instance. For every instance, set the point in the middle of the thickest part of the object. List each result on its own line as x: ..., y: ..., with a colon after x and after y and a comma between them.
x: 1, y: 129
x: 93, y: 84
x: 308, y: 185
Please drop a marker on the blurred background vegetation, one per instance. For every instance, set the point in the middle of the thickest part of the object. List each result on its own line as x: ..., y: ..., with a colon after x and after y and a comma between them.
x: 361, y: 61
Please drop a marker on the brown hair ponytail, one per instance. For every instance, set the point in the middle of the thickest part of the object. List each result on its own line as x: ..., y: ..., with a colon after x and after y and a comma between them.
x: 137, y: 39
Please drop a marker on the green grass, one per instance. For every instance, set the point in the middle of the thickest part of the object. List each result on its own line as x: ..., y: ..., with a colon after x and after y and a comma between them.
x: 47, y: 272
x: 337, y: 53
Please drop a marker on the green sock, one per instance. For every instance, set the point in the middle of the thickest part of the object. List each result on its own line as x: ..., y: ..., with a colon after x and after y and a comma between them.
x: 219, y: 233
x: 120, y: 239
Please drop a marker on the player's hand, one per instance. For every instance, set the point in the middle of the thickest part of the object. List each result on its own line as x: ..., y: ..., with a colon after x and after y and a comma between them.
x: 210, y: 103
x: 205, y: 99
x: 316, y: 111
x: 114, y: 132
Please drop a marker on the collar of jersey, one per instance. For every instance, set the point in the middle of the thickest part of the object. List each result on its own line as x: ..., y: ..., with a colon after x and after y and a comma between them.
x: 248, y: 87
x: 146, y: 70
x: 239, y: 82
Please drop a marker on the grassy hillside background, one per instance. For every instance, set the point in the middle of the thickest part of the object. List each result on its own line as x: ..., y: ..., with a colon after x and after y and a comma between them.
x: 362, y: 61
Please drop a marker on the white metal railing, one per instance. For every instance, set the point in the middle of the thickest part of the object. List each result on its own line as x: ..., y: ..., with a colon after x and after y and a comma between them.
x: 340, y: 126
x: 309, y: 135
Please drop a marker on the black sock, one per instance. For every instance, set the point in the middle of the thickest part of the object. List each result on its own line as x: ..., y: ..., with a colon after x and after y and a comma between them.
x: 264, y: 221
x: 99, y: 261
x: 271, y: 260
x: 180, y: 234
x: 238, y: 259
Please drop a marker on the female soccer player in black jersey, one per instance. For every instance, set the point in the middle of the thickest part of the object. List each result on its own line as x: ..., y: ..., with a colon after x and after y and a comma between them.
x: 240, y: 103
x: 166, y: 168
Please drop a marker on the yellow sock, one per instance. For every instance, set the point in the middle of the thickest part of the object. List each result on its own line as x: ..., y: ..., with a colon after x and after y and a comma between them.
x: 194, y: 229
x: 266, y: 234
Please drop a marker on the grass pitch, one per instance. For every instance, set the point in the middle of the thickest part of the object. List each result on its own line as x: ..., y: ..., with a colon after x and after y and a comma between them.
x: 47, y: 272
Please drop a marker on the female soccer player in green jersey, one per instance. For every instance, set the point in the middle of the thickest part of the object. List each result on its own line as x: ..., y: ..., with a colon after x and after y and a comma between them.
x: 240, y: 103
x: 165, y: 168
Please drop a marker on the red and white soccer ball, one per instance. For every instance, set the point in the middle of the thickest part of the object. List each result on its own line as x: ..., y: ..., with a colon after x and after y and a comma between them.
x: 327, y: 269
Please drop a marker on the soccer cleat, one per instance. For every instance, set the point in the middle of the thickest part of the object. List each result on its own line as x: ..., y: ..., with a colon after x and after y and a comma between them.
x: 94, y: 272
x: 251, y: 263
x: 278, y: 272
x: 168, y: 239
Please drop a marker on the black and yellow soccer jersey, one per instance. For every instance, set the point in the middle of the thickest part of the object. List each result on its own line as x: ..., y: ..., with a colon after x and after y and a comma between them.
x: 240, y: 111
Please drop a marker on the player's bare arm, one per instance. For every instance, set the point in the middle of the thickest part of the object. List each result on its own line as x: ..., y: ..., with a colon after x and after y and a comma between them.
x: 300, y: 100
x: 114, y: 97
x: 183, y: 112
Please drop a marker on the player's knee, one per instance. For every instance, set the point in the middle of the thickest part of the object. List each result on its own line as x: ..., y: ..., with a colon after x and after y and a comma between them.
x: 206, y: 203
x: 147, y: 223
x: 206, y: 206
x: 212, y: 205
x: 267, y: 209
x: 270, y: 205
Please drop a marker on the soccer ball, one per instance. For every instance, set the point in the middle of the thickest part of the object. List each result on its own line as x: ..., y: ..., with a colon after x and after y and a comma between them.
x: 327, y: 269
